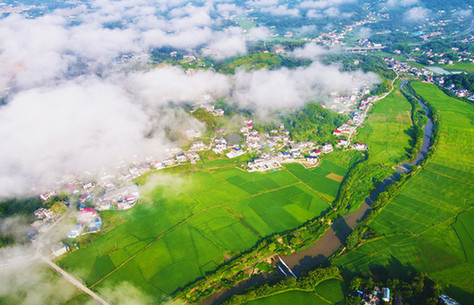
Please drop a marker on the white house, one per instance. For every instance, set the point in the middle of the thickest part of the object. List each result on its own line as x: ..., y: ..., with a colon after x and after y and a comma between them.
x: 59, y: 249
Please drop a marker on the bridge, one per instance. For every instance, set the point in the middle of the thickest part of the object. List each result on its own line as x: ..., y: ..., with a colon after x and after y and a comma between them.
x: 363, y: 49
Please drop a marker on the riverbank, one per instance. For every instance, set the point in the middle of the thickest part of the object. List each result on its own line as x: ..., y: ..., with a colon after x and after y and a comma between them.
x: 335, y: 236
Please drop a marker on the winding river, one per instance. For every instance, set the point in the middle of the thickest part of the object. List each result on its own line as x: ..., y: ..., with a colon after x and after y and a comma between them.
x: 336, y: 235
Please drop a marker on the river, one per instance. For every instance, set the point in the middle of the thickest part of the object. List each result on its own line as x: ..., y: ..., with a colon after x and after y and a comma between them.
x: 336, y: 235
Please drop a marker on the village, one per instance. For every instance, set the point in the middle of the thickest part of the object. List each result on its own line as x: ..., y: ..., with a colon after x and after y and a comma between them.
x: 432, y: 75
x: 117, y: 191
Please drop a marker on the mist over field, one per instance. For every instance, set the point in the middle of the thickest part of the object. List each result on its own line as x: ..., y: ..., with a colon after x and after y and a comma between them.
x: 61, y: 118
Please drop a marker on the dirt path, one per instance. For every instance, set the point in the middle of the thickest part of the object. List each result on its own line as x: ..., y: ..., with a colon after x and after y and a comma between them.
x: 73, y: 281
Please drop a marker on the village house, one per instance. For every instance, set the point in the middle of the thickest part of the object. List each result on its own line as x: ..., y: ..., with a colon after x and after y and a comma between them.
x: 218, y: 112
x: 87, y: 185
x: 86, y: 215
x: 315, y: 153
x: 235, y: 152
x: 360, y: 146
x: 169, y: 161
x: 346, y: 129
x: 311, y: 160
x: 95, y: 225
x: 85, y: 198
x: 181, y: 157
x: 192, y: 156
x: 41, y: 225
x: 193, y: 133
x: 198, y: 146
x: 327, y: 148
x: 342, y: 143
x: 76, y: 230
x: 207, y: 107
x: 71, y: 189
x: 43, y: 213
x: 58, y: 249
x: 47, y: 195
x: 158, y: 165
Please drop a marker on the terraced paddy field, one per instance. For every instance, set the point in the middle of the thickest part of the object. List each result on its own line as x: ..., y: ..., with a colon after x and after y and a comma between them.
x: 327, y: 292
x: 190, y: 222
x: 388, y: 130
x: 429, y: 227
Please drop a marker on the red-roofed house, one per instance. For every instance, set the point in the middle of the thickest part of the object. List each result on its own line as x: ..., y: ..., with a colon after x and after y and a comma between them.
x: 315, y: 153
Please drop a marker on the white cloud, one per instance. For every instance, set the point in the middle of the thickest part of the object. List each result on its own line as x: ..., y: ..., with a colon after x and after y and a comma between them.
x: 312, y: 51
x: 266, y: 91
x: 417, y: 14
x: 321, y: 4
x: 170, y: 84
x: 32, y: 50
x: 262, y: 3
x: 463, y: 13
x: 79, y: 125
x: 281, y: 10
x: 259, y: 33
x: 228, y: 43
x: 398, y: 3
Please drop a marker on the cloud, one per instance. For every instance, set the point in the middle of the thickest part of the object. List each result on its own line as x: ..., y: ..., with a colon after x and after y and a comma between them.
x: 258, y: 33
x: 314, y: 14
x: 265, y: 91
x: 262, y: 3
x: 398, y: 3
x: 31, y: 51
x: 364, y: 32
x: 56, y: 123
x: 313, y: 51
x: 463, y: 13
x: 321, y: 4
x: 126, y: 294
x: 417, y: 14
x: 171, y: 84
x: 227, y: 43
x: 281, y: 10
x: 78, y: 125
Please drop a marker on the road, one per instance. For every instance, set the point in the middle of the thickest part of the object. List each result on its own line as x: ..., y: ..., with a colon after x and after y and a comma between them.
x: 349, y: 138
x: 72, y: 280
x: 39, y: 243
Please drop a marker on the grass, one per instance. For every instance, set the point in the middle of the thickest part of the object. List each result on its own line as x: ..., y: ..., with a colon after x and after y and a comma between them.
x: 460, y: 66
x: 290, y: 297
x: 388, y: 130
x: 323, y: 177
x: 332, y: 290
x: 428, y: 227
x: 327, y: 292
x: 189, y: 221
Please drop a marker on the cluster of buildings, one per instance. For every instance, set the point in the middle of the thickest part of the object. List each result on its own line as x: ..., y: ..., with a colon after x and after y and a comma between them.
x: 88, y: 221
x: 346, y: 103
x: 402, y: 67
x: 375, y: 296
x: 209, y: 108
x: 44, y: 219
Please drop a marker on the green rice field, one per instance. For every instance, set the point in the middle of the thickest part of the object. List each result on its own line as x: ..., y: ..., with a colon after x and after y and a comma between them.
x: 327, y: 292
x: 429, y: 226
x: 192, y: 221
x: 460, y: 66
x: 388, y: 130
